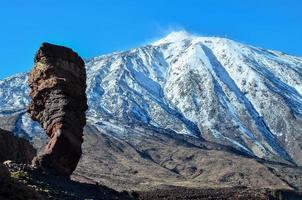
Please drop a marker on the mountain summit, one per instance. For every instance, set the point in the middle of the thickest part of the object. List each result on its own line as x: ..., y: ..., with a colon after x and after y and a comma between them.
x: 208, y: 88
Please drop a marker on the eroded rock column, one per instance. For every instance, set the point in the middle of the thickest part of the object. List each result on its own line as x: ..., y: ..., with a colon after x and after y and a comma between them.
x: 58, y: 84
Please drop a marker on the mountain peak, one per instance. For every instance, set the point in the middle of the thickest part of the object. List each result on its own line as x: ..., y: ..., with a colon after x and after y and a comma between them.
x: 175, y: 36
x: 179, y: 36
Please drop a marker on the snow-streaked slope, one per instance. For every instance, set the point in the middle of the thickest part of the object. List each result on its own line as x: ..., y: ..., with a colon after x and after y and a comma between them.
x: 207, y: 87
x: 13, y: 93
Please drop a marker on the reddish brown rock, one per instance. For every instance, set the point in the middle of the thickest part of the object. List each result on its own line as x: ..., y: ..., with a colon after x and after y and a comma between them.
x: 58, y: 84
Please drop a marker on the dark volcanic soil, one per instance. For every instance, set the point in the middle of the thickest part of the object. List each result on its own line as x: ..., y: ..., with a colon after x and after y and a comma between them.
x: 234, y: 193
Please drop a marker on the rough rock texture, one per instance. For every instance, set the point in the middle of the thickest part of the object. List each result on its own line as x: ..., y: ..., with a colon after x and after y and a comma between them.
x: 58, y: 84
x: 14, y: 148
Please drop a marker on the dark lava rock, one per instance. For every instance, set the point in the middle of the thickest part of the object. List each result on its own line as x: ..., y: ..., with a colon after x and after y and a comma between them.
x: 58, y: 84
x: 14, y: 148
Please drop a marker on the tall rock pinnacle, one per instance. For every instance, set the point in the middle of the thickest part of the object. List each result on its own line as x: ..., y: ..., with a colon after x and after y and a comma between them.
x: 58, y: 84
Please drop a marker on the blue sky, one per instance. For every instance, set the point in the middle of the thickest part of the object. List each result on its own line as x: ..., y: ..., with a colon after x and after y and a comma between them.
x: 96, y: 27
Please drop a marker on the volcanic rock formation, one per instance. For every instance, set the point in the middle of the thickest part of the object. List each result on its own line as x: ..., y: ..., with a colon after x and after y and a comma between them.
x: 58, y: 84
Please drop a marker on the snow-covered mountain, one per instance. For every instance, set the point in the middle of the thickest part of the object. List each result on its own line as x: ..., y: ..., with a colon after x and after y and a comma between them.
x: 205, y: 87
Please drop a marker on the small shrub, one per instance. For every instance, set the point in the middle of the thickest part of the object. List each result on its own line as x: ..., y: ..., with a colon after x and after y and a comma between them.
x: 19, y: 175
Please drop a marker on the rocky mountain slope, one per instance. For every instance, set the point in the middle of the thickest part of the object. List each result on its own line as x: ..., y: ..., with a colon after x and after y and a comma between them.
x: 207, y: 87
x: 156, y: 158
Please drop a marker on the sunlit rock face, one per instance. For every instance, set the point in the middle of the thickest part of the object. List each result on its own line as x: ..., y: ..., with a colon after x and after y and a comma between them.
x: 207, y: 87
x: 58, y: 84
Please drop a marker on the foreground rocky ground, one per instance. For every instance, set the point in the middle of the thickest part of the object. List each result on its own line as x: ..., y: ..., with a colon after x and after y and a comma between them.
x: 29, y: 183
x: 11, y: 189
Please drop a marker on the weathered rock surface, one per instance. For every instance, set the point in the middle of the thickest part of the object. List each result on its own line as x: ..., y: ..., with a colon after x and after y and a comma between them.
x: 58, y: 84
x: 14, y: 148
